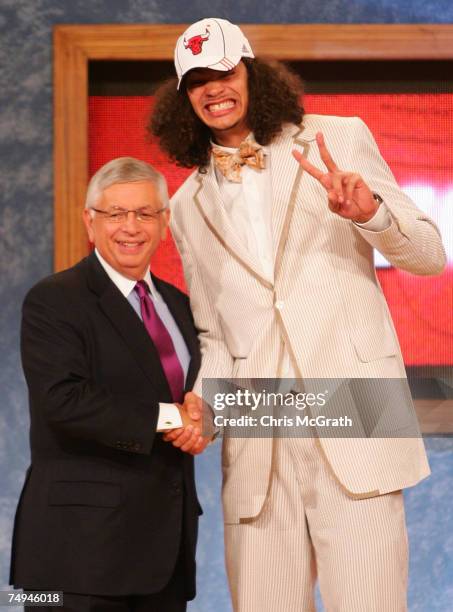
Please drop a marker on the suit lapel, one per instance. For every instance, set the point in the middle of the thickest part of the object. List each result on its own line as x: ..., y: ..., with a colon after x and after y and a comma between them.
x: 126, y: 322
x: 286, y: 178
x: 208, y: 201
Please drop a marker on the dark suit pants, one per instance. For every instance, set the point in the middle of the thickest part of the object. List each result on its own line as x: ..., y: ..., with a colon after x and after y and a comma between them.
x: 170, y: 599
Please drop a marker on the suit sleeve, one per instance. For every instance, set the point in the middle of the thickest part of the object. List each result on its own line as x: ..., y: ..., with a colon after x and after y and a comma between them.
x: 216, y: 359
x: 62, y: 388
x: 412, y: 242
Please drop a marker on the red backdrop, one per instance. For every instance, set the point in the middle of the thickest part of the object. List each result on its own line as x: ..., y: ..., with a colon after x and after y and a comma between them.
x: 415, y: 135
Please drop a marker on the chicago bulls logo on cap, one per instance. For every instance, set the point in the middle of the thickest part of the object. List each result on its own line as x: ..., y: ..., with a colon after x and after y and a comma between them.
x: 210, y: 43
x: 195, y: 43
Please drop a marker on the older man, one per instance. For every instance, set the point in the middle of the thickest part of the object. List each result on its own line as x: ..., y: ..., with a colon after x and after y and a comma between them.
x: 276, y: 230
x: 109, y: 511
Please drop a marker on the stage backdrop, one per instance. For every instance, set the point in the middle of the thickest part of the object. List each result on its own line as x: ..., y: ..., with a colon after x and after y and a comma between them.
x: 419, y: 152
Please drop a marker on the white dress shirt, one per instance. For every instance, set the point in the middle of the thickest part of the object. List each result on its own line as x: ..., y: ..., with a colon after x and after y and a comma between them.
x: 169, y: 417
x: 249, y: 207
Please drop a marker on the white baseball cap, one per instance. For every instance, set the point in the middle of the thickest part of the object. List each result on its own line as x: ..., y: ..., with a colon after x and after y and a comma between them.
x: 210, y: 43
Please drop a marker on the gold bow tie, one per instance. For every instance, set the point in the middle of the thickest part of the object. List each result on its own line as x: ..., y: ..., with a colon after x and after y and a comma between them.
x: 230, y: 164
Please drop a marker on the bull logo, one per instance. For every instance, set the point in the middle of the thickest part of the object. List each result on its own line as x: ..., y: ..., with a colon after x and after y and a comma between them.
x: 195, y: 43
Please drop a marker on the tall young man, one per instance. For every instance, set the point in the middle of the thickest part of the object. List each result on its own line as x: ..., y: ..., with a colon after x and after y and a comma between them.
x: 276, y: 229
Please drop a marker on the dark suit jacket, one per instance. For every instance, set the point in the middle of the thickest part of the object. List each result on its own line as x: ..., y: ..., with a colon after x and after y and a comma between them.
x: 106, y: 503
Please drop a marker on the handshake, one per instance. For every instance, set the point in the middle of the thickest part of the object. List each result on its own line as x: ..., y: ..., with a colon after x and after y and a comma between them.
x: 189, y: 438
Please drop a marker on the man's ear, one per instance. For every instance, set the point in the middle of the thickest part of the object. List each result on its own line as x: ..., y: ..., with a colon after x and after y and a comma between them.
x: 88, y: 221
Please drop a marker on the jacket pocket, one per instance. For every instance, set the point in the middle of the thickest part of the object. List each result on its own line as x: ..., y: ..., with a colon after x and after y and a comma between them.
x: 371, y: 331
x: 371, y: 344
x: 84, y: 493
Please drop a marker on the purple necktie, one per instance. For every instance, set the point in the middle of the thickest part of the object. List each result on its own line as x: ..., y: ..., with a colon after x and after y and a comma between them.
x: 162, y: 341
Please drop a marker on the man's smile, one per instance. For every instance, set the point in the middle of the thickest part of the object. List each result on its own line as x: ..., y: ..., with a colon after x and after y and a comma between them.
x: 128, y: 245
x: 219, y: 109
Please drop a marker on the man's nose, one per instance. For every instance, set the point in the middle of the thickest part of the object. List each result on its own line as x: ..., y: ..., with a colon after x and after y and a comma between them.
x: 214, y: 87
x: 131, y: 224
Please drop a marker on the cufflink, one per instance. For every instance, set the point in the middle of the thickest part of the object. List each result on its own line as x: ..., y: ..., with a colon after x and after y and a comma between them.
x: 377, y: 198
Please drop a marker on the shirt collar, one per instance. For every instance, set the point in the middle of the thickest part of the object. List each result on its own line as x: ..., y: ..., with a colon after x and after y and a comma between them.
x: 124, y: 284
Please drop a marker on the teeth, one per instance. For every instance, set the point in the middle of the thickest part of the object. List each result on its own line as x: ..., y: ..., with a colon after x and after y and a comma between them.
x: 221, y: 105
x: 130, y: 244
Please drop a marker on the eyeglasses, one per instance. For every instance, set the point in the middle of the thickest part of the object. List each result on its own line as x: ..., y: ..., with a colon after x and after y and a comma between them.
x: 120, y: 215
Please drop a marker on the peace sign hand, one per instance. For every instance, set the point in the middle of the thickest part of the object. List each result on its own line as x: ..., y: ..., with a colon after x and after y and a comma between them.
x: 347, y: 193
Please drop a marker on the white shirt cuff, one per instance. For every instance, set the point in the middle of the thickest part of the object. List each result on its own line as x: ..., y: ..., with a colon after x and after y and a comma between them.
x: 379, y: 222
x: 169, y: 417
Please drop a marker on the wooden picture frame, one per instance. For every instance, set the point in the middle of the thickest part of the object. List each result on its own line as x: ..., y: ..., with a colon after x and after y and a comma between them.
x: 76, y: 45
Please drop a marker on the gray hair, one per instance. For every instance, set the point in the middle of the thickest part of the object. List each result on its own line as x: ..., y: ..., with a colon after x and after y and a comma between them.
x: 125, y: 170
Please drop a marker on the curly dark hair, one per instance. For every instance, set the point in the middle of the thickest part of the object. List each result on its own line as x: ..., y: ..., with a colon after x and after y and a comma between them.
x: 274, y: 94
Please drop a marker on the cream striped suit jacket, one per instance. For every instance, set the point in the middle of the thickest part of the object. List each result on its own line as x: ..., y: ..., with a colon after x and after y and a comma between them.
x: 324, y: 304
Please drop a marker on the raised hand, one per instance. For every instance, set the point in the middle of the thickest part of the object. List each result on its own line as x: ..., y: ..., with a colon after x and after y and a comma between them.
x: 347, y: 193
x: 189, y: 438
